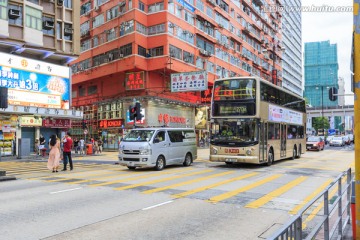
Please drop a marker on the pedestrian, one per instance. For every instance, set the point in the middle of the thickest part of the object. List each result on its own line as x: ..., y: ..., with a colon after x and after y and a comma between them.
x: 81, y: 145
x: 96, y: 147
x: 41, y: 143
x: 100, y: 143
x: 76, y: 145
x: 54, y: 154
x: 67, y: 143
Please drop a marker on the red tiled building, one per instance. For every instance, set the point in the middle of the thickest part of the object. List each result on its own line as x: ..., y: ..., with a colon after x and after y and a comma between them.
x: 149, y: 40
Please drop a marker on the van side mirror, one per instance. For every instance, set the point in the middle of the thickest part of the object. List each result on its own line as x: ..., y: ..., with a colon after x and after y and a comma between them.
x: 156, y: 140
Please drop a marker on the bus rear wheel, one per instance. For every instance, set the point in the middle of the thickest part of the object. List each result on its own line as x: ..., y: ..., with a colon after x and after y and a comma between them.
x: 270, y: 158
x: 294, y: 153
x: 299, y: 152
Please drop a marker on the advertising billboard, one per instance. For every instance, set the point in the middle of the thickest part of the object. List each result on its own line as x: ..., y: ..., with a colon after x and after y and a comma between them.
x: 189, y: 81
x: 35, y: 83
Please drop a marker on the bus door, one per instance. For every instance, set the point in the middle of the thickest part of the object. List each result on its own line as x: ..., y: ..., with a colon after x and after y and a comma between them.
x: 262, y: 141
x: 283, y: 140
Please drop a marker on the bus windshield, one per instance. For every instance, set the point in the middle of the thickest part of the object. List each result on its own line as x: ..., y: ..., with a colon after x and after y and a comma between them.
x: 242, y: 132
x: 138, y: 135
x: 234, y: 89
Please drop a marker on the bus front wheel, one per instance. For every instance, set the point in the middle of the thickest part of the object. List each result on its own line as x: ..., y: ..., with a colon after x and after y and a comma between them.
x: 294, y: 153
x: 270, y: 158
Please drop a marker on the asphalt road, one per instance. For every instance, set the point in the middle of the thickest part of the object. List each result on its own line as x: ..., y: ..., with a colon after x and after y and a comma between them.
x: 204, y: 201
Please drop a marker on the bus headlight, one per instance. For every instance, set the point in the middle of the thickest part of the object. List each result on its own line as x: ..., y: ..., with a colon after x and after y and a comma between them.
x: 214, y: 150
x: 248, y: 152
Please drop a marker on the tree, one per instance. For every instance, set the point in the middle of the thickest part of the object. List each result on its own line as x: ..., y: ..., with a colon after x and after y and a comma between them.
x: 320, y: 122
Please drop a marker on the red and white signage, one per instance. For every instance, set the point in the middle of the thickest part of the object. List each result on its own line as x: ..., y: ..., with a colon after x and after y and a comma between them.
x: 112, y: 123
x: 57, y: 123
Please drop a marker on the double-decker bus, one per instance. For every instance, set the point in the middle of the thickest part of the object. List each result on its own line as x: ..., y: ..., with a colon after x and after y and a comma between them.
x: 254, y: 121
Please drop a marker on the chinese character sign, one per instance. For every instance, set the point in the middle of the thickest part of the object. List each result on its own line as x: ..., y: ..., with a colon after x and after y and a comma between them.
x: 135, y: 81
x: 35, y: 83
x: 189, y: 81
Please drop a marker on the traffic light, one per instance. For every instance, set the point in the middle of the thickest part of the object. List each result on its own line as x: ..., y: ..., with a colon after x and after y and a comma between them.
x: 333, y: 93
x: 132, y: 112
x: 138, y: 115
x: 83, y: 123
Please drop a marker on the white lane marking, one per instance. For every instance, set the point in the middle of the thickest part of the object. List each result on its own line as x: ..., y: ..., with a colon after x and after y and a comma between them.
x: 157, y: 205
x: 67, y: 190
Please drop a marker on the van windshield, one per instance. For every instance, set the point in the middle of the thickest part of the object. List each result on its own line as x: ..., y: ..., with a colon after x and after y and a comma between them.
x: 138, y: 135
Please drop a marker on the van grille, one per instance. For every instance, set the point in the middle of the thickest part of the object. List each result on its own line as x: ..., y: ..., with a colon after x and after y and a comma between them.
x: 131, y: 152
x: 132, y: 159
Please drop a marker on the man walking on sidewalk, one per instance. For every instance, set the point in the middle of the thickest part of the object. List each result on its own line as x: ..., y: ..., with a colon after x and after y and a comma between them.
x: 67, y: 141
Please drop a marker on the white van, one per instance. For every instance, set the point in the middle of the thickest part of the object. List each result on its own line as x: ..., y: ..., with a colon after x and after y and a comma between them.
x: 158, y: 147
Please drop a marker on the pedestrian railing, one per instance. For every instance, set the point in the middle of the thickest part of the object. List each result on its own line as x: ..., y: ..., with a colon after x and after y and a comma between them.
x: 325, y: 217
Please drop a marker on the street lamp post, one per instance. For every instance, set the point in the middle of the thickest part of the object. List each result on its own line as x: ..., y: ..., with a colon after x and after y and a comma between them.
x: 322, y: 107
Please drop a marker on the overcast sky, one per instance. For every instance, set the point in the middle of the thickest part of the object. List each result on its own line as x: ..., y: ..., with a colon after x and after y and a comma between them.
x: 334, y: 26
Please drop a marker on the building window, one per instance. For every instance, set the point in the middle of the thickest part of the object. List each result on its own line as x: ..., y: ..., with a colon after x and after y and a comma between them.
x: 100, y: 2
x: 156, y: 29
x: 175, y: 52
x: 82, y: 91
x: 158, y: 51
x: 3, y: 9
x: 33, y: 18
x: 84, y: 28
x: 15, y: 21
x: 34, y: 1
x: 200, y: 5
x: 68, y: 3
x: 85, y: 45
x: 111, y: 34
x: 92, y: 90
x: 86, y: 7
x: 68, y: 32
x: 112, y: 13
x: 95, y: 41
x: 126, y: 50
x: 141, y: 6
x: 156, y: 7
x: 98, y: 21
x: 59, y: 30
x: 130, y: 4
x: 48, y: 25
x: 141, y: 51
x: 126, y: 27
x: 141, y: 28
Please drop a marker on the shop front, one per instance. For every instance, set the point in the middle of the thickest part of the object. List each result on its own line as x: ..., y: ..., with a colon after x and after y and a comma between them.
x: 8, y: 135
x: 111, y: 132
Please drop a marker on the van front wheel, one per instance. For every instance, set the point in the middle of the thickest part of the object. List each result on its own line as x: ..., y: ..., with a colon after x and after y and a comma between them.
x: 188, y: 160
x: 160, y: 163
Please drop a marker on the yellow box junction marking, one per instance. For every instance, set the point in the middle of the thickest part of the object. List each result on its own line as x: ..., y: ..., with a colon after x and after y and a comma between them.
x: 268, y: 197
x: 230, y: 194
x: 200, y: 189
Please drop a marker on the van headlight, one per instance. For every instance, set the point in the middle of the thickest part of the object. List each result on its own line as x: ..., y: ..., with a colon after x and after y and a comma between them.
x: 121, y: 151
x: 145, y: 152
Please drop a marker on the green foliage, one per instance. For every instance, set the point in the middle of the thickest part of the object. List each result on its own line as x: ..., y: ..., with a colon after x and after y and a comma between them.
x: 320, y: 122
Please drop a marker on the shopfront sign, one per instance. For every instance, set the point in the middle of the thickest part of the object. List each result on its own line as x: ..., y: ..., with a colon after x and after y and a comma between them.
x: 35, y: 83
x: 206, y: 95
x: 165, y: 119
x: 57, y: 123
x: 8, y: 125
x: 135, y: 81
x: 113, y: 123
x: 51, y: 112
x: 30, y: 121
x: 189, y: 81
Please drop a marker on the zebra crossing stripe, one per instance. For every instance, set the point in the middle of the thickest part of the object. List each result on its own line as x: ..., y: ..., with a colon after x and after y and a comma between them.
x: 268, y: 197
x: 187, y: 182
x: 297, y: 208
x: 230, y: 194
x: 163, y: 180
x: 141, y: 177
x: 201, y: 189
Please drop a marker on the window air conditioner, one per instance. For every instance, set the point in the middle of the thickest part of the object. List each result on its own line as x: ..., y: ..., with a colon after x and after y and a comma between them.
x: 14, y: 13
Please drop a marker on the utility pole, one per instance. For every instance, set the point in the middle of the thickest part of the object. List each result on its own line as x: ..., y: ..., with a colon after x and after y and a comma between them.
x: 356, y: 62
